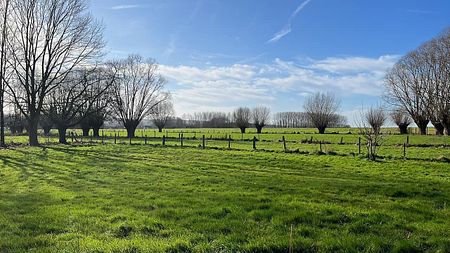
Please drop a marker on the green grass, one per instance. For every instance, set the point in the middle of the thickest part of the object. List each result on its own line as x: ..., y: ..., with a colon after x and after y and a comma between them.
x: 122, y: 198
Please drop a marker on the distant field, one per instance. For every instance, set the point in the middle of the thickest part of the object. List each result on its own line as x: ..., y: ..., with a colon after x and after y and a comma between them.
x: 336, y: 141
x: 122, y: 198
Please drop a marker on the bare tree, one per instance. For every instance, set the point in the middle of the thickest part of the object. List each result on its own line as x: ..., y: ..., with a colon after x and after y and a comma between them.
x: 139, y: 89
x: 4, y: 11
x: 322, y: 109
x: 47, y: 40
x: 401, y: 119
x: 241, y: 117
x: 369, y: 124
x: 261, y: 116
x: 162, y: 113
x: 73, y: 100
x: 375, y: 117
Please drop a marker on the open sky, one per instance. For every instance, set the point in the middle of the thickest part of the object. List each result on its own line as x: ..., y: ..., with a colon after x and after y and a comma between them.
x: 221, y: 54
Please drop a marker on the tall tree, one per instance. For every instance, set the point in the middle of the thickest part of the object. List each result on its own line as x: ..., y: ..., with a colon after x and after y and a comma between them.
x: 261, y: 116
x: 322, y: 109
x: 138, y: 90
x: 4, y: 11
x: 48, y: 40
x: 405, y: 89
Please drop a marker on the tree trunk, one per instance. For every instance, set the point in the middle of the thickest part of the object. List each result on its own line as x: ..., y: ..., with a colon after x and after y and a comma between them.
x: 403, y: 128
x: 259, y: 129
x: 243, y: 130
x: 96, y: 131
x: 62, y: 135
x: 47, y: 130
x: 33, y: 129
x: 422, y: 125
x: 439, y: 128
x: 85, y: 131
x: 321, y: 130
x: 160, y: 129
x: 2, y: 121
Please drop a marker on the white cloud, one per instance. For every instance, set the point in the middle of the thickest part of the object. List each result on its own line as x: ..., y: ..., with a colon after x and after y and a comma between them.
x: 226, y: 87
x: 125, y: 6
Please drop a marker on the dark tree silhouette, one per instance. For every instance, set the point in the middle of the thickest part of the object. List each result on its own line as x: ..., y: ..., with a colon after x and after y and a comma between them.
x: 241, y: 117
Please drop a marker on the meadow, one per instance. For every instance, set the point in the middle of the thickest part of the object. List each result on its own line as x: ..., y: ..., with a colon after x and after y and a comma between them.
x: 97, y: 196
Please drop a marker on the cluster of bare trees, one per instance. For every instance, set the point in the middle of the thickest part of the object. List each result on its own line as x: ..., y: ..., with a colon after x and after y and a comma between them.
x: 50, y: 71
x: 244, y: 117
x: 208, y: 120
x: 419, y: 86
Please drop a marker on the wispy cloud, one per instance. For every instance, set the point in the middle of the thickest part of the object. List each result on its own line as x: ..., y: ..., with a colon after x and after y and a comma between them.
x: 125, y: 6
x: 288, y: 27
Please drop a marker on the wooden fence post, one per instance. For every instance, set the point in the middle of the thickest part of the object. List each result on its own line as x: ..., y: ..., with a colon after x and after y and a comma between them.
x: 359, y: 145
x: 182, y: 137
x: 320, y: 146
x: 203, y: 143
x: 229, y: 141
x: 254, y: 142
x: 284, y: 143
x: 145, y: 140
x: 115, y: 138
x: 407, y: 139
x: 164, y: 140
x: 404, y: 150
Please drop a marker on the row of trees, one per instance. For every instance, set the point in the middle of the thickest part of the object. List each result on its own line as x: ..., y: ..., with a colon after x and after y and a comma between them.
x: 418, y: 86
x: 51, y: 71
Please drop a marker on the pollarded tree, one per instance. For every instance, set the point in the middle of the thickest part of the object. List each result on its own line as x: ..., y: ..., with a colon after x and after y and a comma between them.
x: 375, y: 117
x: 241, y: 117
x: 322, y: 109
x: 405, y: 89
x: 69, y: 103
x: 162, y: 113
x: 401, y: 119
x: 261, y: 116
x: 47, y: 41
x: 138, y: 90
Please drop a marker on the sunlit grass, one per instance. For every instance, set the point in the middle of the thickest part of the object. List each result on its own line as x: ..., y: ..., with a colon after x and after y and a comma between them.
x: 122, y: 198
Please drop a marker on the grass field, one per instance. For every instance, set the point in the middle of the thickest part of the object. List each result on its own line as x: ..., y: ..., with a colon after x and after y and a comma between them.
x: 137, y: 198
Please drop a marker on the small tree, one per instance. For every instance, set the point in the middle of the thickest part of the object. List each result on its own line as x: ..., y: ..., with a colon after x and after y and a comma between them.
x: 162, y: 113
x: 402, y: 120
x: 260, y: 117
x: 322, y: 109
x: 370, y: 123
x: 241, y: 117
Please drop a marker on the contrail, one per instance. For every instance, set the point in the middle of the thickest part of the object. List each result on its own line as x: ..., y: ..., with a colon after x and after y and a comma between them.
x: 288, y: 27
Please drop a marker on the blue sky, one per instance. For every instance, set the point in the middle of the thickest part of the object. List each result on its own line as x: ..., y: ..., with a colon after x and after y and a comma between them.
x: 220, y: 54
